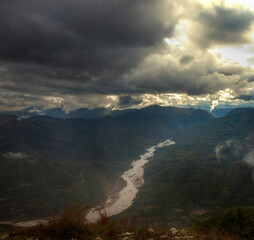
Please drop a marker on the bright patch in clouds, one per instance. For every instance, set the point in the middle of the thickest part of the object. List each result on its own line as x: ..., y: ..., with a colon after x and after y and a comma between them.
x: 239, y: 54
x: 246, y: 3
x: 54, y: 99
x: 180, y: 34
x: 210, y: 101
x: 111, y: 102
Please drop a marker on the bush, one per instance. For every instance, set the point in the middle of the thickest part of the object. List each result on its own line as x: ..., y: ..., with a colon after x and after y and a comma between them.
x: 237, y: 221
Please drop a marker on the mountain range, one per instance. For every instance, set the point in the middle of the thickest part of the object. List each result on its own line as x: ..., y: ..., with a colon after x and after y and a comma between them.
x: 87, y: 113
x: 49, y: 163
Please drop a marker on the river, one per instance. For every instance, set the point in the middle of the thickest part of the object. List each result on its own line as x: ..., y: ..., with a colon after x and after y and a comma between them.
x: 117, y: 203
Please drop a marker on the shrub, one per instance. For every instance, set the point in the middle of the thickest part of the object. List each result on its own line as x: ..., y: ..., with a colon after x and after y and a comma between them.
x: 237, y: 221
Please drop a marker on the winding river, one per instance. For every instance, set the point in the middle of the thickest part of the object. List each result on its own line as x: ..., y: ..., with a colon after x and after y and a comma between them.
x: 117, y: 203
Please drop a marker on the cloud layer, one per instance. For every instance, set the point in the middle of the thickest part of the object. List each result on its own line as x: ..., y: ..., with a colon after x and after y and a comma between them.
x: 97, y: 52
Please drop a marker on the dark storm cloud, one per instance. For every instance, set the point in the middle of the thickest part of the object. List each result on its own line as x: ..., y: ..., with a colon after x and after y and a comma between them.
x: 223, y: 25
x: 70, y: 47
x: 84, y: 34
x: 246, y: 98
x: 185, y: 59
x: 229, y: 69
x: 127, y: 101
x: 251, y: 78
x: 248, y: 77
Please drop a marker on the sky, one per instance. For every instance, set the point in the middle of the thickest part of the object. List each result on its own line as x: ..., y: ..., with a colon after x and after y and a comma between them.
x: 126, y: 53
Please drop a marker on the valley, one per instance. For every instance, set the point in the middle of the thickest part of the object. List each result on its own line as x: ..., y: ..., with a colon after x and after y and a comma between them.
x: 78, y: 162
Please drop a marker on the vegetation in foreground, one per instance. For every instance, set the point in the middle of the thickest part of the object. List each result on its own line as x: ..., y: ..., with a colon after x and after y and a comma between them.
x: 237, y: 221
x: 232, y: 224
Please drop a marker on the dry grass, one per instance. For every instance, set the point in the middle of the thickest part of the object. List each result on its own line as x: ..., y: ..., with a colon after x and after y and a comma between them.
x: 73, y: 224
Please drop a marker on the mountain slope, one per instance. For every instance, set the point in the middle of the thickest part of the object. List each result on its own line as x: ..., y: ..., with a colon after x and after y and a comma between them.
x: 203, y: 171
